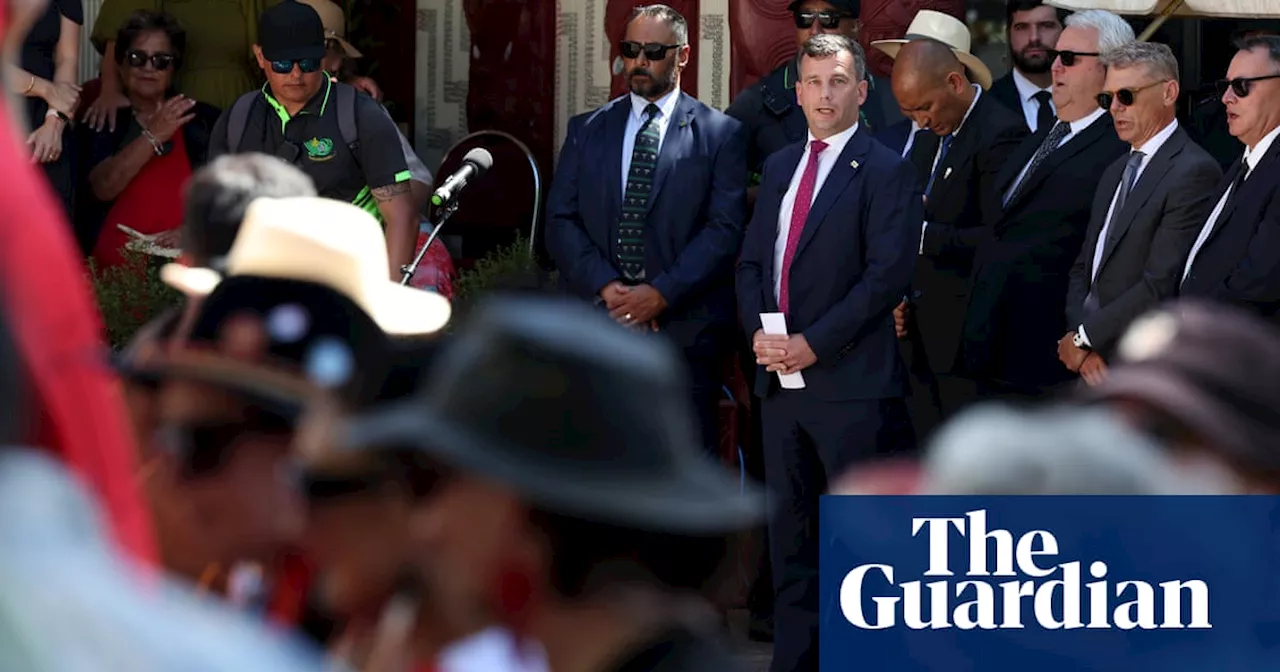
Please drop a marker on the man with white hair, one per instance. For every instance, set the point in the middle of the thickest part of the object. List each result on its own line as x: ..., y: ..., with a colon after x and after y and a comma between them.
x: 1017, y: 309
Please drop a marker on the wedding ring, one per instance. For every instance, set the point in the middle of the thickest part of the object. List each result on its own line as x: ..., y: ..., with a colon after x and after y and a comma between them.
x: 627, y: 317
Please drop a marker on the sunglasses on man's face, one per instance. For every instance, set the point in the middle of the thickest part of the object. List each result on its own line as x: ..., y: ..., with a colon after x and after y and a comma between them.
x: 307, y: 65
x: 138, y: 59
x: 1124, y: 96
x: 1069, y: 58
x: 828, y: 20
x: 653, y: 51
x: 1241, y: 86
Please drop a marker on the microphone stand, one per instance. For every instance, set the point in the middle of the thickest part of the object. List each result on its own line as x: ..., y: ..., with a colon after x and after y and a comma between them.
x: 443, y: 216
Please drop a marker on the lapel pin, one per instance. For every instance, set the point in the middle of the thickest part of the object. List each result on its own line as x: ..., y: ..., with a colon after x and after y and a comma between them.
x: 946, y: 173
x: 854, y: 164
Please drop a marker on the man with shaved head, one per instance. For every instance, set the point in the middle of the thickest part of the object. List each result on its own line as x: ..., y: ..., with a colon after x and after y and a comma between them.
x: 976, y: 136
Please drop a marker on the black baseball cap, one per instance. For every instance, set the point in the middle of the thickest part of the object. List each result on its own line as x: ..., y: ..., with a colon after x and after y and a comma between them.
x: 850, y: 7
x: 291, y: 31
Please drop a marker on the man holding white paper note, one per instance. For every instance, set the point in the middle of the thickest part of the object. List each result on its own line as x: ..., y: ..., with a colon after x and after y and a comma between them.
x: 829, y: 253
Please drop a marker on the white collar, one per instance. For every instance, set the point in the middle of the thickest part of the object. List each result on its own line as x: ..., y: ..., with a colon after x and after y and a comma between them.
x: 977, y: 94
x: 835, y: 143
x: 1253, y: 155
x: 1079, y: 125
x: 666, y: 104
x: 1150, y: 147
x: 1027, y: 89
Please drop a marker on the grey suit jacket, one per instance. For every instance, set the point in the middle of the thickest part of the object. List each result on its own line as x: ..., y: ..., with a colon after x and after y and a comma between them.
x: 1147, y: 242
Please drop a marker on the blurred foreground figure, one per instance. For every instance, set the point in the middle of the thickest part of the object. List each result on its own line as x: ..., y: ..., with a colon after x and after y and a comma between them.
x: 1204, y: 380
x: 574, y: 504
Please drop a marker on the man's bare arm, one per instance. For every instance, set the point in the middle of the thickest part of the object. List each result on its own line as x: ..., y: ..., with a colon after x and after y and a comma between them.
x: 395, y: 202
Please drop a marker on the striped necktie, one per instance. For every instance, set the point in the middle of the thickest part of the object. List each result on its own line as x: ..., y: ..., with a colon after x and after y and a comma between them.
x: 635, y: 203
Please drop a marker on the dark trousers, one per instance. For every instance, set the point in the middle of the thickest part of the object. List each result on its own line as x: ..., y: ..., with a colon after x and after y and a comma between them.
x: 760, y: 597
x: 935, y: 397
x: 704, y: 356
x: 807, y: 444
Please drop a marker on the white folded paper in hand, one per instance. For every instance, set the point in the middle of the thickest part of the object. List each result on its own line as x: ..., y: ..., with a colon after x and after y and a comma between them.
x: 146, y: 243
x: 775, y: 324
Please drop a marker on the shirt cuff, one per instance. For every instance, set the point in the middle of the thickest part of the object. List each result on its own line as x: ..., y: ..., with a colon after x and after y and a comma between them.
x: 1083, y: 336
x: 923, y: 227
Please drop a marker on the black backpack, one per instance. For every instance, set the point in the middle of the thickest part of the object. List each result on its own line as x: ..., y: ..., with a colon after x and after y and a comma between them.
x: 344, y: 98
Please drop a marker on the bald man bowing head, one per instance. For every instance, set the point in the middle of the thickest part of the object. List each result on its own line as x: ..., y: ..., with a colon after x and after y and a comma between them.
x: 973, y: 136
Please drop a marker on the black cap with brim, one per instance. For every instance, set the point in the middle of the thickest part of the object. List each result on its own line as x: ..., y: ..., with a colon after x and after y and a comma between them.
x: 851, y: 7
x: 291, y: 31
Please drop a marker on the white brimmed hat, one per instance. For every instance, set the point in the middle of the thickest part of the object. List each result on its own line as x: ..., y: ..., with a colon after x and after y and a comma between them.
x: 326, y: 242
x: 948, y: 30
x: 335, y: 24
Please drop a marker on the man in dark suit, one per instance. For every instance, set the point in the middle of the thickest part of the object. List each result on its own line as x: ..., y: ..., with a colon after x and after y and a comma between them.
x: 1236, y: 256
x: 831, y: 246
x: 1017, y: 306
x: 1146, y: 213
x: 973, y: 138
x: 645, y: 214
x: 1033, y: 30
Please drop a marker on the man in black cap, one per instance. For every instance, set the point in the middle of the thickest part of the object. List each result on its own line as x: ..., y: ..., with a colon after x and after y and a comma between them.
x: 346, y: 142
x: 768, y: 108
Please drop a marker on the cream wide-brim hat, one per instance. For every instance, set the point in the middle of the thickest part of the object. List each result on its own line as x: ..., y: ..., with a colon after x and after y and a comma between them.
x: 335, y: 24
x: 948, y: 30
x: 326, y: 242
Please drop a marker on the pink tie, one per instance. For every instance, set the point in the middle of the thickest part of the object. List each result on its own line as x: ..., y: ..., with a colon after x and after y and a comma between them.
x: 799, y: 213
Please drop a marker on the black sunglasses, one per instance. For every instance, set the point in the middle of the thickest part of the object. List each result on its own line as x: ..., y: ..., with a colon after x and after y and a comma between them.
x: 1125, y: 96
x: 285, y: 67
x: 652, y: 51
x: 1241, y: 86
x: 830, y: 20
x: 1069, y: 57
x: 138, y: 59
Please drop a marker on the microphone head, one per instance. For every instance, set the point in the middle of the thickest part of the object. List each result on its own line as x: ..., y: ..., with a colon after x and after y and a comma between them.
x: 481, y: 157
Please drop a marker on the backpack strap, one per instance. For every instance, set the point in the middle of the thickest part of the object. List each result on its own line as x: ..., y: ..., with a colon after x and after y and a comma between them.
x: 238, y: 119
x: 346, y: 101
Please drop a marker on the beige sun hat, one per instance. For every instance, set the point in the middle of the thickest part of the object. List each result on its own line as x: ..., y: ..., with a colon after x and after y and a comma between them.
x: 335, y: 24
x: 326, y: 242
x: 948, y: 30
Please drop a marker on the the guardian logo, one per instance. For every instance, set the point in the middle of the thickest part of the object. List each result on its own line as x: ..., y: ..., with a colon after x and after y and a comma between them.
x: 1037, y: 587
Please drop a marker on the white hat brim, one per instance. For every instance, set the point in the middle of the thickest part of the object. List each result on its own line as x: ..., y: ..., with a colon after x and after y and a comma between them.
x: 981, y: 73
x: 190, y: 280
x: 405, y: 311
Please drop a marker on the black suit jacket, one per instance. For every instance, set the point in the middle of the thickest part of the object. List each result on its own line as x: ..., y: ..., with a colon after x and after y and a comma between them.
x: 1005, y: 91
x: 851, y: 267
x: 1240, y: 261
x: 959, y: 211
x: 1017, y: 309
x: 1148, y: 240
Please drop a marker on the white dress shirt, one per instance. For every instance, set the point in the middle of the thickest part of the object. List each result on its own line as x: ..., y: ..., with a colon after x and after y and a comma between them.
x: 911, y: 139
x: 1077, y: 127
x: 937, y: 155
x: 826, y: 161
x: 666, y: 108
x: 1027, y: 91
x: 1148, y: 149
x: 1252, y: 157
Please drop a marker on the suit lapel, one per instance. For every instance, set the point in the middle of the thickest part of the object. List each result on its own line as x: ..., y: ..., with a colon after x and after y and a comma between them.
x: 1019, y: 159
x: 841, y: 173
x: 675, y: 144
x: 615, y: 127
x: 963, y: 145
x: 1105, y: 193
x: 1074, y: 145
x: 1265, y: 166
x: 922, y: 154
x: 1150, y: 178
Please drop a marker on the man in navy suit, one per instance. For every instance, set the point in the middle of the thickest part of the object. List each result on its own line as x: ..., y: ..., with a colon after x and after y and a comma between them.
x: 832, y: 245
x: 646, y: 211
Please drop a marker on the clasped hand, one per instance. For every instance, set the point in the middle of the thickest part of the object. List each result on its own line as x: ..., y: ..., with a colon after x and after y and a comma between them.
x: 639, y: 305
x: 782, y: 353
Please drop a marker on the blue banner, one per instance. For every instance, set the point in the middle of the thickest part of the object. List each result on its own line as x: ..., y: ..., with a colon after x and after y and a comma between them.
x: 1050, y: 584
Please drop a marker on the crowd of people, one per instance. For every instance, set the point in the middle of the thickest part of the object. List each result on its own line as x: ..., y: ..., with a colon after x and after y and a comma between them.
x: 318, y: 458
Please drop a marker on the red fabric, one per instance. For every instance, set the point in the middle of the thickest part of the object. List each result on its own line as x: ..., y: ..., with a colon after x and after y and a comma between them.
x: 799, y: 213
x: 152, y: 203
x: 436, y: 270
x: 289, y: 593
x: 82, y: 416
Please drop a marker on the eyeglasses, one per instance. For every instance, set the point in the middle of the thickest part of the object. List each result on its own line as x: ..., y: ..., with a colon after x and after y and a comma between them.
x: 830, y: 20
x: 1241, y: 86
x: 1125, y: 96
x: 653, y: 51
x: 305, y: 64
x: 1069, y: 57
x: 137, y: 59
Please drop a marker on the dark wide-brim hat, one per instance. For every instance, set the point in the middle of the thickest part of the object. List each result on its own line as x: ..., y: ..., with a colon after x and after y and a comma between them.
x: 576, y: 414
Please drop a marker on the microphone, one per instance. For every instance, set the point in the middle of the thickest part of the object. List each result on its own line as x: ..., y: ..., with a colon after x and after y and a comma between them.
x: 474, y: 164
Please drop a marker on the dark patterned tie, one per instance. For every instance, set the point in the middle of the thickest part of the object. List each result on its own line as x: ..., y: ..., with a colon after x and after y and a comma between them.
x: 1060, y: 131
x: 644, y: 160
x: 1044, y: 113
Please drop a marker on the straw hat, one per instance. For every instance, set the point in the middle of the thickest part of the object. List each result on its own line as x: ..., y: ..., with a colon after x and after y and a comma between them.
x: 948, y: 30
x: 328, y: 243
x: 335, y: 24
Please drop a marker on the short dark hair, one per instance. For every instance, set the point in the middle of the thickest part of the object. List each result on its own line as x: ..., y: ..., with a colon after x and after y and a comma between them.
x: 827, y: 45
x: 220, y: 193
x: 146, y: 21
x: 1015, y: 6
x: 666, y: 14
x: 1270, y: 43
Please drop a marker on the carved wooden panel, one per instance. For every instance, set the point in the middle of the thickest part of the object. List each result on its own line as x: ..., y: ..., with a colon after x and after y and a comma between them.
x: 615, y: 25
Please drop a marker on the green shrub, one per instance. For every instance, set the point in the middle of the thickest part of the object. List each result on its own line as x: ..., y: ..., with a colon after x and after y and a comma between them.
x: 510, y: 268
x: 130, y: 295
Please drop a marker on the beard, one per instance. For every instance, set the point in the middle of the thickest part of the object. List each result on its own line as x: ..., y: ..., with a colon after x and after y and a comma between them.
x: 1035, y: 65
x: 653, y: 87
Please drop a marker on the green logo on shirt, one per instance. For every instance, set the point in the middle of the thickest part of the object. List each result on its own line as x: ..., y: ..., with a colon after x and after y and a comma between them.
x: 319, y: 149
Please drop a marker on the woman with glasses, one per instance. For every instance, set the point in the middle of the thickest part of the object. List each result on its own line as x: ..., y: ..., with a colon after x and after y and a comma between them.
x: 134, y: 173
